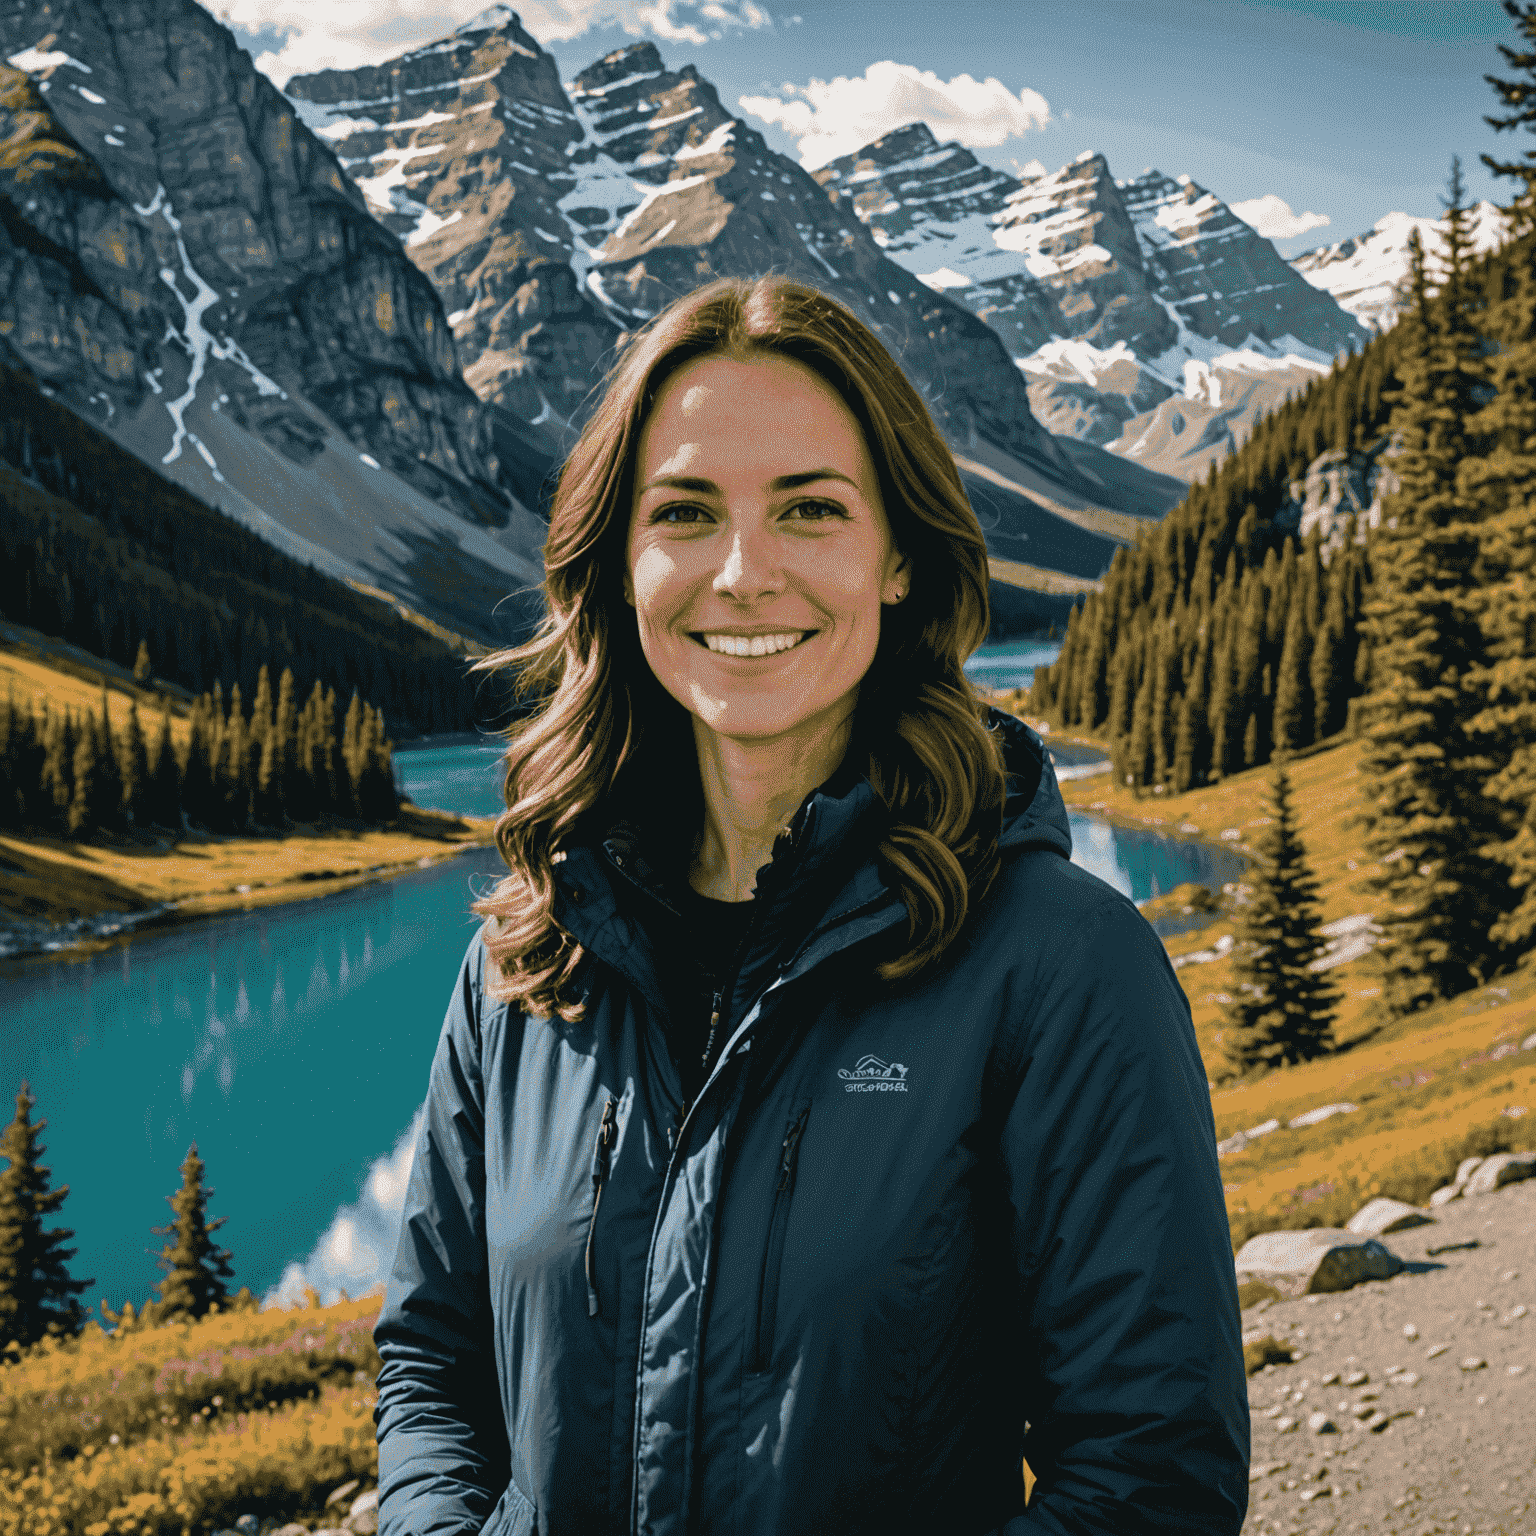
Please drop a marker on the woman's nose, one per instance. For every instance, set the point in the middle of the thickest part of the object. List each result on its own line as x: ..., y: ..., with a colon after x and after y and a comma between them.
x: 750, y: 560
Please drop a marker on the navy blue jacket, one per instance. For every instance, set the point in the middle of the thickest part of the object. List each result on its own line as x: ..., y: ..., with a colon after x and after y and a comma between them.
x: 896, y: 1225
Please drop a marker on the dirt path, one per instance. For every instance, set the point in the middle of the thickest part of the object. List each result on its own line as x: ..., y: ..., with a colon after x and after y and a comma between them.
x: 1458, y: 1455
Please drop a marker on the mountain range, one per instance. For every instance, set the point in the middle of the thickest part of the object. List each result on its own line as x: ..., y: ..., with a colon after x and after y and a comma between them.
x: 366, y: 316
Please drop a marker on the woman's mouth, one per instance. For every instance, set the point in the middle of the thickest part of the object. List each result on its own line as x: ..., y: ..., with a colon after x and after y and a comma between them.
x: 755, y: 647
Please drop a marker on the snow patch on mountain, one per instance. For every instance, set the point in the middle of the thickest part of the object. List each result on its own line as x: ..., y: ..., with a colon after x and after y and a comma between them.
x: 1368, y: 274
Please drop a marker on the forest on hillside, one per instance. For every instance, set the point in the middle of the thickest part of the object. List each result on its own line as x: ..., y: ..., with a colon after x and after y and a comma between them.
x: 97, y: 549
x: 1224, y: 640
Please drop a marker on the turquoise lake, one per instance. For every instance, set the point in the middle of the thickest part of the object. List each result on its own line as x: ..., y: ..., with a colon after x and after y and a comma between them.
x: 293, y: 1044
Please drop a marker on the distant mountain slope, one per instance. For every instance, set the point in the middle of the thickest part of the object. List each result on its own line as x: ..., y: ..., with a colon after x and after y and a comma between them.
x: 1368, y: 274
x: 553, y: 220
x: 1147, y: 316
x: 186, y: 266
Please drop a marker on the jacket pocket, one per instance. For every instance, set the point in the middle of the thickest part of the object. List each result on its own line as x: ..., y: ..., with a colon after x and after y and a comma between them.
x: 513, y: 1516
x: 773, y: 1258
x: 606, y: 1135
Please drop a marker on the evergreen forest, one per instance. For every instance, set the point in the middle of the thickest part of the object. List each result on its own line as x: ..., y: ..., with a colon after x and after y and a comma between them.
x: 71, y: 774
x: 1227, y: 638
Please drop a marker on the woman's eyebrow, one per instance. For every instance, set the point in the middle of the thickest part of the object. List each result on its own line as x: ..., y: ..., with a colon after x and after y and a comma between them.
x: 782, y: 483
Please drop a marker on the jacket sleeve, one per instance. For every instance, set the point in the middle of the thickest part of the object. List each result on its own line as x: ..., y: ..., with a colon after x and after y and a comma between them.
x: 1129, y: 1325
x: 443, y: 1456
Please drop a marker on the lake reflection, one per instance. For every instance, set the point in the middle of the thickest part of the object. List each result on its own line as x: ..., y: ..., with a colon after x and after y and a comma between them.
x: 290, y: 1043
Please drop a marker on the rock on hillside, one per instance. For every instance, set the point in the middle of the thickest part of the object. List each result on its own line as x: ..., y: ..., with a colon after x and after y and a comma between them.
x: 184, y: 264
x: 1148, y: 317
x: 554, y: 220
x: 1368, y: 274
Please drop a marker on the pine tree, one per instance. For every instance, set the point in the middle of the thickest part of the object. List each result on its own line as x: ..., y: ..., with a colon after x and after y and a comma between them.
x: 37, y: 1297
x: 1425, y: 816
x: 80, y: 821
x: 1283, y: 1010
x: 107, y: 811
x: 1139, y: 757
x: 165, y: 790
x: 58, y: 778
x: 1223, y: 747
x: 259, y: 760
x: 1293, y: 693
x: 1504, y: 483
x: 234, y: 766
x: 351, y: 756
x: 1520, y: 97
x: 1326, y: 673
x: 137, y: 791
x: 195, y: 1270
x: 197, y: 769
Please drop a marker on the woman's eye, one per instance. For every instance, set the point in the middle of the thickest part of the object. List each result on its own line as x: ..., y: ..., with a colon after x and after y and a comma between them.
x: 822, y: 510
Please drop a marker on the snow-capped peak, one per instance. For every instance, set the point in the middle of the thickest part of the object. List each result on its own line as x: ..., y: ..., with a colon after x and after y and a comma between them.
x: 1368, y: 274
x: 489, y: 20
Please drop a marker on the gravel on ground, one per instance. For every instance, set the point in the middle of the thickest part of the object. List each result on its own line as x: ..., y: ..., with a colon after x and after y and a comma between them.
x: 1410, y: 1405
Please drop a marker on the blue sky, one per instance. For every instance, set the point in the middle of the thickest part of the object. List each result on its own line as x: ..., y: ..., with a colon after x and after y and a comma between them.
x: 1342, y: 109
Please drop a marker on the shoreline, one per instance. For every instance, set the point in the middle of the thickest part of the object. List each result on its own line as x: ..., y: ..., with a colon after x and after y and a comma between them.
x: 427, y: 838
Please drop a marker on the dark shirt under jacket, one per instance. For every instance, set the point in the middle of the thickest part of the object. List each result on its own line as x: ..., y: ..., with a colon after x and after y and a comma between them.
x: 715, y: 930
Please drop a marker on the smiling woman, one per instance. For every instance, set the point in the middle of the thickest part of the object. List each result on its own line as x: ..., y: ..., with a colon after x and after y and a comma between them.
x: 808, y: 1141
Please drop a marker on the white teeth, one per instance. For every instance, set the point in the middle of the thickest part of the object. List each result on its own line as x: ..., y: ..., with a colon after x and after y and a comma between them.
x: 756, y: 645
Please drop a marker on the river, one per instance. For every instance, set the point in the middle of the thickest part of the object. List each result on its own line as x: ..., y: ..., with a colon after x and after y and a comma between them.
x: 293, y: 1043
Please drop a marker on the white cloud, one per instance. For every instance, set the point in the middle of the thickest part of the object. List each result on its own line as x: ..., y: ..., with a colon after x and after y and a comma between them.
x: 357, y: 1250
x: 1271, y: 217
x: 347, y: 34
x: 832, y: 118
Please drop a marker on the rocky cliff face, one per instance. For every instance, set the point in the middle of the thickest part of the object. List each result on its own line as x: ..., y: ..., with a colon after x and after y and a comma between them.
x: 464, y: 150
x: 184, y: 263
x: 1148, y: 317
x: 553, y: 220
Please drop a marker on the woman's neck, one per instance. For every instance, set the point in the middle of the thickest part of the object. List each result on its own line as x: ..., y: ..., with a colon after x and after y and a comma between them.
x: 749, y: 798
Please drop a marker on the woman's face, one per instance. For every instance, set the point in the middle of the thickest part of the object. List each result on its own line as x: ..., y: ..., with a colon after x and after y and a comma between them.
x: 757, y: 509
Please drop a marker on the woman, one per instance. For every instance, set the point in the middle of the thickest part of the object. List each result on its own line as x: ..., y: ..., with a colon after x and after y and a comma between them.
x: 804, y: 1125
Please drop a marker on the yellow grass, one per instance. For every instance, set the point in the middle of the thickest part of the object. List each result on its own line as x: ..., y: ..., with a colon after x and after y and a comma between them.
x: 35, y: 669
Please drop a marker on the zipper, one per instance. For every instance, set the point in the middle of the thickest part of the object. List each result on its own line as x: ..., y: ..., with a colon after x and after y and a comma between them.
x: 607, y: 1132
x: 773, y: 1259
x: 714, y: 1026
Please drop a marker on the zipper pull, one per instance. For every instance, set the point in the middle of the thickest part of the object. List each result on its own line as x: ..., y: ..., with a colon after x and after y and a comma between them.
x: 607, y: 1134
x: 714, y: 1027
x: 791, y: 1142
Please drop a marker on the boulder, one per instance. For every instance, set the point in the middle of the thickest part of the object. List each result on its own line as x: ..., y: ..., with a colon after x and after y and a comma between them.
x: 1383, y: 1215
x: 1464, y: 1169
x: 1444, y: 1193
x: 1502, y: 1168
x: 1322, y: 1112
x: 1313, y: 1261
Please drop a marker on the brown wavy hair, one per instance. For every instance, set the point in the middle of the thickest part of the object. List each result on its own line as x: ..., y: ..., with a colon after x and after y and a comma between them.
x: 603, y: 727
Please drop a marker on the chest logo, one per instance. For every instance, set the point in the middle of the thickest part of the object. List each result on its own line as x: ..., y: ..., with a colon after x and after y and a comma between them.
x: 872, y: 1075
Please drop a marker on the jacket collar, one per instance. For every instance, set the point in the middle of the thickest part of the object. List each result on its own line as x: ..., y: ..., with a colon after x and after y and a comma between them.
x: 628, y: 872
